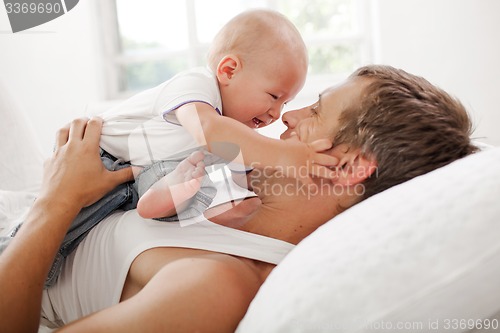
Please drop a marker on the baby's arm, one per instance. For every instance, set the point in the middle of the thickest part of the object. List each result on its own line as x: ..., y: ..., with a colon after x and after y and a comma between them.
x: 172, y: 193
x: 291, y: 157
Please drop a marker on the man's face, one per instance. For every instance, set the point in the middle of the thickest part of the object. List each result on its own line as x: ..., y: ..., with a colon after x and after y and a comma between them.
x: 321, y: 119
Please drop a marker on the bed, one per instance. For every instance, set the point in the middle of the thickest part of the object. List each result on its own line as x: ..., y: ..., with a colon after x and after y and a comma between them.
x: 421, y: 256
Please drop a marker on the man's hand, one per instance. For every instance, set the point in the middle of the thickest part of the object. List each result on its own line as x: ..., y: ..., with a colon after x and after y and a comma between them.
x: 73, y: 178
x: 75, y: 173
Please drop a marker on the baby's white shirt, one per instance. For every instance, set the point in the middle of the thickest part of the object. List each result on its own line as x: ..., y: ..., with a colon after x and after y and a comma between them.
x: 144, y: 128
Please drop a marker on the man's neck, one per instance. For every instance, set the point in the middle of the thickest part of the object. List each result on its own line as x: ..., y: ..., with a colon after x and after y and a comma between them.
x: 280, y: 220
x: 285, y: 223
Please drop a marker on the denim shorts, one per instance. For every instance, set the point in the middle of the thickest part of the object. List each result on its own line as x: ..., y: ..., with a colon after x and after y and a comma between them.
x: 123, y: 197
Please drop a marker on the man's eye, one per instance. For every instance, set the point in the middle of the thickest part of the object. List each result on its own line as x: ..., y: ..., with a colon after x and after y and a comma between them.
x: 314, y: 110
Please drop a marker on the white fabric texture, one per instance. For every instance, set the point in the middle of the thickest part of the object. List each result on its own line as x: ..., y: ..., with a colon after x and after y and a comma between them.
x: 144, y: 128
x: 14, y: 206
x: 21, y: 160
x: 93, y: 275
x: 420, y: 253
x: 21, y: 163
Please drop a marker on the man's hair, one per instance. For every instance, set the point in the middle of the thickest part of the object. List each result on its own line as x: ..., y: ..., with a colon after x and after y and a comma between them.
x: 408, y: 125
x: 253, y: 32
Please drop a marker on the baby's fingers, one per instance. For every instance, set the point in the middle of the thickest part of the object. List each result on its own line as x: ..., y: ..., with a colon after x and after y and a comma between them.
x: 196, y: 157
x: 321, y: 145
x: 326, y: 160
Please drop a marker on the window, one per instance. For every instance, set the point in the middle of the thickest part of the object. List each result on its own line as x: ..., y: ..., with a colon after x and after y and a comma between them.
x: 148, y: 41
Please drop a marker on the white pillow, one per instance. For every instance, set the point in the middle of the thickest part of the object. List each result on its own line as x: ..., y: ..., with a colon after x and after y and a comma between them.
x: 423, y: 253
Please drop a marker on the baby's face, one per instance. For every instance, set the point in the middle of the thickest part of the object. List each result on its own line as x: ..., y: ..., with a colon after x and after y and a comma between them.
x: 257, y: 93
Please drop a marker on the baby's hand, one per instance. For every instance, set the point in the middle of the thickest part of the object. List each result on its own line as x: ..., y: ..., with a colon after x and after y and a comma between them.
x: 320, y: 164
x: 310, y: 160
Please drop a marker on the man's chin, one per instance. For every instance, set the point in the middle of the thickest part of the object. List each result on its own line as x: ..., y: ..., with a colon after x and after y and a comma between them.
x: 285, y: 135
x: 289, y: 137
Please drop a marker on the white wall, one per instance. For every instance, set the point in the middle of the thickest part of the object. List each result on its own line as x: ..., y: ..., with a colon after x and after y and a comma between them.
x: 454, y: 44
x: 55, y: 71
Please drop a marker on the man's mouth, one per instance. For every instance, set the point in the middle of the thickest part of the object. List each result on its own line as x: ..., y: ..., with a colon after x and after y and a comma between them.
x: 290, y: 135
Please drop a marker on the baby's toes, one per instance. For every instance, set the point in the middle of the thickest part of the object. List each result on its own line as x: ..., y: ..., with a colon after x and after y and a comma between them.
x: 199, y: 171
x: 196, y: 157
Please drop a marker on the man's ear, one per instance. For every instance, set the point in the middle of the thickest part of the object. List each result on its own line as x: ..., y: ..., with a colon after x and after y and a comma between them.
x: 353, y: 167
x: 227, y: 68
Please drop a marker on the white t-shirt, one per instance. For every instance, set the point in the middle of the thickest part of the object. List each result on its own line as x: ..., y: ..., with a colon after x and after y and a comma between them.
x: 144, y: 128
x: 93, y: 275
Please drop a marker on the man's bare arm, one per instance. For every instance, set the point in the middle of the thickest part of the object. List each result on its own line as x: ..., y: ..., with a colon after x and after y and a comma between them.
x: 209, y: 292
x: 74, y: 177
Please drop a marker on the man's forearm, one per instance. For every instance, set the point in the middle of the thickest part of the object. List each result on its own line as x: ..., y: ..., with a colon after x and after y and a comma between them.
x: 25, y: 263
x: 74, y: 177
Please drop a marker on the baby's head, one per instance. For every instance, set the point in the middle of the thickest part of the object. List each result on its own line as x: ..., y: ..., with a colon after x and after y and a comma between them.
x: 260, y: 61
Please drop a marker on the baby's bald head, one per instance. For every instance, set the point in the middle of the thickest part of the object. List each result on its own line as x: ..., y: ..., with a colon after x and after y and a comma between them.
x: 255, y: 35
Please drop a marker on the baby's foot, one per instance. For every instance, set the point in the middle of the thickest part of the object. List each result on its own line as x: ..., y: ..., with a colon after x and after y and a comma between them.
x: 186, y: 178
x: 171, y: 193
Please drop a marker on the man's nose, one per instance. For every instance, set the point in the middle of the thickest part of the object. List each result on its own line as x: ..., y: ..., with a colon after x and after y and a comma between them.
x: 289, y: 119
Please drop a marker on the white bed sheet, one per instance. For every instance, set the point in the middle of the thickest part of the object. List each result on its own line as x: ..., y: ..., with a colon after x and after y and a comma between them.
x: 21, y: 163
x: 21, y: 160
x: 13, y: 208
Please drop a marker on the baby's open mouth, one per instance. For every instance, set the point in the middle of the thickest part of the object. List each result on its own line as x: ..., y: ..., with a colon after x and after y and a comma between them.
x: 257, y: 122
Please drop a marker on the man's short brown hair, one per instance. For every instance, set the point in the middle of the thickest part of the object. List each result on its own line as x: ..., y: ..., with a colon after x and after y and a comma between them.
x: 407, y: 124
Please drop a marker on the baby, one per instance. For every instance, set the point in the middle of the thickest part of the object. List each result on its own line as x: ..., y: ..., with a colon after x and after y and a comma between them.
x: 256, y: 64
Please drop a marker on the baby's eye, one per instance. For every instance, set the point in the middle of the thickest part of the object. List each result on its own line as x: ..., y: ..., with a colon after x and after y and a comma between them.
x: 273, y: 96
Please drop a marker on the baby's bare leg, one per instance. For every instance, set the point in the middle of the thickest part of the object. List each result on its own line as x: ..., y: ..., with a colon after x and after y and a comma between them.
x: 171, y: 194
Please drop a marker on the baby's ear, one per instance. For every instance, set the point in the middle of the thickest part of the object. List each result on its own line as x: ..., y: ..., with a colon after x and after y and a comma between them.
x: 227, y: 68
x: 353, y: 167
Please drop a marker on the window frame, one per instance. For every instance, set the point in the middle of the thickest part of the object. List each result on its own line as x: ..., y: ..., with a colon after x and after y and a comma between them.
x: 114, y: 59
